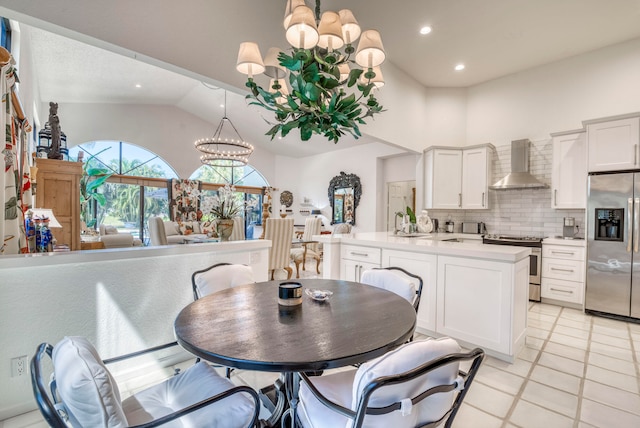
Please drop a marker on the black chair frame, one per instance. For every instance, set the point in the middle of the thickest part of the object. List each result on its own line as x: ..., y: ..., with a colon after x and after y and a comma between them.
x: 56, y: 418
x: 196, y: 273
x: 416, y: 302
x: 475, y: 356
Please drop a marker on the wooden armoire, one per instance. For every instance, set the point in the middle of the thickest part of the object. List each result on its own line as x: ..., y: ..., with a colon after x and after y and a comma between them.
x: 58, y: 188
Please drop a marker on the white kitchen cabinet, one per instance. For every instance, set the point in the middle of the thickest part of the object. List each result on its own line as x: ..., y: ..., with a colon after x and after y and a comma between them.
x: 563, y: 273
x: 356, y: 259
x: 613, y: 144
x: 569, y: 170
x: 456, y: 178
x: 475, y: 178
x: 443, y: 178
x: 425, y: 266
x: 478, y: 302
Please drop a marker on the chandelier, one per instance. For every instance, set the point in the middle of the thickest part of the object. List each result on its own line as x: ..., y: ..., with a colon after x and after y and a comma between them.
x: 226, y: 152
x: 330, y: 95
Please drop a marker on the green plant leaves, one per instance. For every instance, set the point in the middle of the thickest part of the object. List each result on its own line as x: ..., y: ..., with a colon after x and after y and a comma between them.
x: 318, y: 103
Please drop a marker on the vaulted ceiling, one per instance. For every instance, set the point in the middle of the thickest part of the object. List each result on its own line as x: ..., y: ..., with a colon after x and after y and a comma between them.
x: 493, y: 38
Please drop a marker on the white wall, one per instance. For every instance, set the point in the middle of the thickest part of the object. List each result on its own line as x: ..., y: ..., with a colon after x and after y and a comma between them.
x: 122, y: 301
x: 415, y: 116
x: 310, y: 177
x: 555, y: 97
x: 165, y: 130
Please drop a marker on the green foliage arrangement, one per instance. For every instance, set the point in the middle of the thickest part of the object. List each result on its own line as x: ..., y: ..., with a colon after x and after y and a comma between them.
x: 93, y: 177
x: 318, y: 103
x: 410, y: 213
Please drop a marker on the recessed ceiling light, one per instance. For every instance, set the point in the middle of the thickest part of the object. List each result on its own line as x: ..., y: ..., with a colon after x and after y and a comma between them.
x: 425, y: 30
x: 138, y: 85
x: 459, y: 67
x: 221, y: 105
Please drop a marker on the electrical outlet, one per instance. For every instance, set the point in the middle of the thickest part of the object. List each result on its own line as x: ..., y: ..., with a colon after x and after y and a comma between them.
x: 19, y: 366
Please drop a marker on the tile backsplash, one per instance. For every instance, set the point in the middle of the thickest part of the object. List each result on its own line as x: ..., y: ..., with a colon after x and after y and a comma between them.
x: 521, y: 212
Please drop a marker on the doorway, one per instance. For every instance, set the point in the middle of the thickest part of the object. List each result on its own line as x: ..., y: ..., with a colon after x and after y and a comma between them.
x: 400, y: 195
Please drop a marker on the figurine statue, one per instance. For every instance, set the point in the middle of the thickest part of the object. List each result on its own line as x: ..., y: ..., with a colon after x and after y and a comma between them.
x: 54, y: 123
x: 425, y: 225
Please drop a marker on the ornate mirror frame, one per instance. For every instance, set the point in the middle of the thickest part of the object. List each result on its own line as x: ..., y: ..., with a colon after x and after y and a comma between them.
x: 346, y: 213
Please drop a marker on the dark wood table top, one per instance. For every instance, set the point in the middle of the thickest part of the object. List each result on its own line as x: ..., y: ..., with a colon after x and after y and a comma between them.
x: 244, y: 327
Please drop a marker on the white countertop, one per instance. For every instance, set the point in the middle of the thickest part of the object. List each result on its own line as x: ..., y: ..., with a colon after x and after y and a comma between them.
x: 114, y: 254
x: 567, y: 242
x: 435, y: 243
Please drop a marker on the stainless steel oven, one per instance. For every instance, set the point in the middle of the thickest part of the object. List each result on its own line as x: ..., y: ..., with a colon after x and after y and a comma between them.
x: 535, y: 259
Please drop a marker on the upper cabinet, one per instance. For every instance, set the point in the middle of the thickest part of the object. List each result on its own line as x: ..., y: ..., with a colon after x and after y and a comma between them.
x: 456, y: 178
x: 613, y: 144
x: 569, y: 170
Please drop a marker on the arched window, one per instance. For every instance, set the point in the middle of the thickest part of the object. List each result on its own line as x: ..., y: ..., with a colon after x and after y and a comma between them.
x: 136, y: 188
x: 235, y: 176
x: 243, y: 176
x: 125, y: 159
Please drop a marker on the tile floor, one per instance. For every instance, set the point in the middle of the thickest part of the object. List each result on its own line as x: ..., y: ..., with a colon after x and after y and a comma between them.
x: 575, y: 371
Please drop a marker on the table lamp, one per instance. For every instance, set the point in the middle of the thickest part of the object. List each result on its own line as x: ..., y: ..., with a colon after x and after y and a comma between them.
x: 42, y: 213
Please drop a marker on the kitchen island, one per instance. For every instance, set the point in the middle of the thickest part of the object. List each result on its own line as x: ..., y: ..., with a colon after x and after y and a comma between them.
x: 475, y: 293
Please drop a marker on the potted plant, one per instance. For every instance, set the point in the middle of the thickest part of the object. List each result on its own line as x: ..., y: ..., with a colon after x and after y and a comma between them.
x: 408, y: 220
x: 223, y: 207
x: 93, y: 178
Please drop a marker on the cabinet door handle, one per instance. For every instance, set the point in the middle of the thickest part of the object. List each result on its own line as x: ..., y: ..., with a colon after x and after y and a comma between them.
x: 359, y: 254
x: 569, y: 253
x: 355, y: 273
x: 562, y: 270
x: 555, y: 197
x: 561, y: 291
x: 460, y: 200
x: 482, y: 199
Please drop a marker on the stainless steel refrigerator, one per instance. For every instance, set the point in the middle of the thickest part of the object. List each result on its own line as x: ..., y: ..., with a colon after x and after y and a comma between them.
x: 613, y: 261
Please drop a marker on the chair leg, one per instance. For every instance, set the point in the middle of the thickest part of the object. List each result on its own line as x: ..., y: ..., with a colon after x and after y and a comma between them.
x: 272, y: 272
x: 297, y: 269
x: 289, y: 272
x: 318, y: 266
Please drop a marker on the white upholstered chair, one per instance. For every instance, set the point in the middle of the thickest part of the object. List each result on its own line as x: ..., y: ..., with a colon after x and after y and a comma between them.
x: 312, y: 226
x: 83, y: 393
x: 237, y: 234
x: 394, y: 390
x: 280, y: 232
x: 219, y: 277
x: 170, y: 233
x: 111, y: 238
x: 157, y: 232
x: 395, y: 279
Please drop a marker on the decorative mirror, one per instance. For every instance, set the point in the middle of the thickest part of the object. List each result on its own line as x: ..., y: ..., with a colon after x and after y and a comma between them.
x: 344, y: 195
x: 286, y: 198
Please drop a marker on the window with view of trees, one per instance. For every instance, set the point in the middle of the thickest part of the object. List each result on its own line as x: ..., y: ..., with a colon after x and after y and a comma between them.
x: 136, y: 186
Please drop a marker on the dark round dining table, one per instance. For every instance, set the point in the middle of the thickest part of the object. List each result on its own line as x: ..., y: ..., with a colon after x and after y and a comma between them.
x: 245, y: 327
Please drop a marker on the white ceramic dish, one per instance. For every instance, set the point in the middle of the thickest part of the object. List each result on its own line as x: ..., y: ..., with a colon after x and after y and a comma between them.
x: 318, y: 295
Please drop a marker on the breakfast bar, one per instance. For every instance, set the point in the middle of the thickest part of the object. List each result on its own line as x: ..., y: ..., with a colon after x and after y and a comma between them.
x: 475, y: 293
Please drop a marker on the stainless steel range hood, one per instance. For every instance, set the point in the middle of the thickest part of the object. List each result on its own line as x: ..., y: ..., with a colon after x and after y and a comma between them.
x: 519, y: 178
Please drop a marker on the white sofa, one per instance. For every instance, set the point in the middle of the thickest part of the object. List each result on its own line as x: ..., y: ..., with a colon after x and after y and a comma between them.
x: 170, y: 233
x: 111, y: 238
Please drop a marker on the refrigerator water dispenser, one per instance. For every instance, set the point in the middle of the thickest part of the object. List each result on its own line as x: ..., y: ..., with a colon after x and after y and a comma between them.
x: 609, y: 224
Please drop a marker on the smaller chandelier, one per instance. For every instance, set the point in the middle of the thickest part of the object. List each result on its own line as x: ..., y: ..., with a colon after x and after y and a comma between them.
x: 226, y: 152
x: 329, y: 95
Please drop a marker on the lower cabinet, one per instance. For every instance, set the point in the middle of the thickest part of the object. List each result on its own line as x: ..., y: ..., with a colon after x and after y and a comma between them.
x: 425, y: 266
x: 355, y: 259
x: 563, y: 273
x: 483, y: 302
